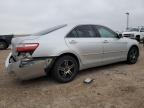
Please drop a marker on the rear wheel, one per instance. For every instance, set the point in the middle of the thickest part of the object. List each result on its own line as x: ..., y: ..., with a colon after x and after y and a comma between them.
x: 133, y: 55
x: 65, y: 69
x: 3, y: 45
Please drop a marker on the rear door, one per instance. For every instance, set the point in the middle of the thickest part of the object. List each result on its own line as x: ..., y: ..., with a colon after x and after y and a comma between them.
x: 114, y: 48
x: 87, y: 43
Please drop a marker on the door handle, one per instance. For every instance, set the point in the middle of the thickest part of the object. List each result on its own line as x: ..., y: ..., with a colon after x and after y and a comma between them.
x: 105, y: 41
x: 73, y: 42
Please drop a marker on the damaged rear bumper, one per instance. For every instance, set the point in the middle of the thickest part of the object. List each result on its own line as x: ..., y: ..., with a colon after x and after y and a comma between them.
x: 28, y: 69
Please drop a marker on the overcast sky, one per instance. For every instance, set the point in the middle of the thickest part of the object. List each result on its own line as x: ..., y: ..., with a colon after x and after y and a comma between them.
x: 28, y: 16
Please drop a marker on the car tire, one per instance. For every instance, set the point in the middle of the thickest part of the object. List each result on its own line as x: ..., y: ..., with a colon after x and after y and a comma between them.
x: 138, y: 38
x: 133, y: 55
x: 65, y: 69
x: 143, y: 41
x: 3, y: 45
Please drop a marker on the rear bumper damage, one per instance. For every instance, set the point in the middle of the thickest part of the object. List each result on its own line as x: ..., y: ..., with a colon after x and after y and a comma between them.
x: 27, y: 69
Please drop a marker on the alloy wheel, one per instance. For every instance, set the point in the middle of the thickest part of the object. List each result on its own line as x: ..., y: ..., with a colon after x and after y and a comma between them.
x: 133, y: 55
x: 2, y: 45
x: 66, y: 69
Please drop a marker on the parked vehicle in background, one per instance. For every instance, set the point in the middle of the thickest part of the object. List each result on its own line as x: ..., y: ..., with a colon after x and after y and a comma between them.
x: 5, y: 41
x: 135, y: 33
x: 64, y: 50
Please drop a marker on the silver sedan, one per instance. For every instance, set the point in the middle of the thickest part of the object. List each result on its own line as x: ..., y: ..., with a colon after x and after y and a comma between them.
x: 66, y: 49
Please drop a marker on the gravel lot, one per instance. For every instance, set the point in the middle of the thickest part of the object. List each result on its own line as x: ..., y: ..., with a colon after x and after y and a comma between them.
x: 115, y: 86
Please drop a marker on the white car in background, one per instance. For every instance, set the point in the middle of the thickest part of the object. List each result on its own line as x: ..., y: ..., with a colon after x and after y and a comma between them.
x: 135, y: 33
x: 66, y: 49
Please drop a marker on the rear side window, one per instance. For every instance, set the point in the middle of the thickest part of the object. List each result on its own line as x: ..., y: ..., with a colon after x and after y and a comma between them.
x: 72, y: 34
x: 83, y: 31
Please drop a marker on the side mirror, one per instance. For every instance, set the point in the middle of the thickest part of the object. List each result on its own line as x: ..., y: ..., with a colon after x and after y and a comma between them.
x: 119, y: 35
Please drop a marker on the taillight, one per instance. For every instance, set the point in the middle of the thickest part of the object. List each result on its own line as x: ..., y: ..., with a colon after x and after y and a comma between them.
x: 27, y: 47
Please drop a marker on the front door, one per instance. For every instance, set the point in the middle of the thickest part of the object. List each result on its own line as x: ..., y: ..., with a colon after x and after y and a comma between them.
x: 114, y: 48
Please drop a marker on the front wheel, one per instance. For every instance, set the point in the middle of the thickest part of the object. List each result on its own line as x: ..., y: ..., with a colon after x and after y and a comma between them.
x: 138, y: 38
x: 65, y: 69
x: 3, y: 45
x: 133, y: 55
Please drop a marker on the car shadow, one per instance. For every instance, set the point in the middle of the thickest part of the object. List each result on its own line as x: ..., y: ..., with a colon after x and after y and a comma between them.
x: 105, y: 67
x: 49, y: 80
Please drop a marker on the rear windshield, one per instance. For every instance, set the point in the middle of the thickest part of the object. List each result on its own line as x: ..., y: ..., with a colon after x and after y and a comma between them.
x: 44, y: 32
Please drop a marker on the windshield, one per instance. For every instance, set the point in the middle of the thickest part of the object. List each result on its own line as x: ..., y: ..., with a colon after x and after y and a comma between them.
x: 134, y: 29
x: 44, y: 32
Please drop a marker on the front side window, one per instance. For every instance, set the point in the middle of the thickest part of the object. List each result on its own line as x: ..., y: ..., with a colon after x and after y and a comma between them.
x: 105, y: 32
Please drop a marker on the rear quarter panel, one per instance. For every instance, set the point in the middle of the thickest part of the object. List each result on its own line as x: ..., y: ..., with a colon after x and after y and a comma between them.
x: 52, y: 44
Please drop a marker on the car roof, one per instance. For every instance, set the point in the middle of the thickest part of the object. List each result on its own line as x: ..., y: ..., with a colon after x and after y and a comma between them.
x: 72, y: 25
x: 77, y: 24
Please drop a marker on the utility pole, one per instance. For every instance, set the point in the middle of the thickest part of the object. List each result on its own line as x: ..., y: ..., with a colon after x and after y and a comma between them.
x: 127, y: 14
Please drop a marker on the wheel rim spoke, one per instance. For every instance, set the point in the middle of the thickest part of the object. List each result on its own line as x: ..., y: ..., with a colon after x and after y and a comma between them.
x: 71, y: 66
x: 61, y: 69
x: 70, y: 72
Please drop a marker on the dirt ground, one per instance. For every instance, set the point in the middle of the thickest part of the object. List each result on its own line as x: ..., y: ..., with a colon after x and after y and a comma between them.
x: 115, y: 86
